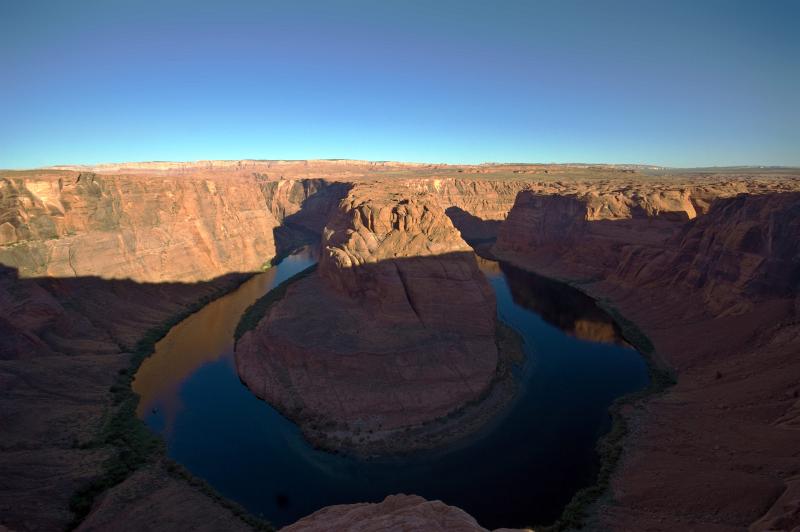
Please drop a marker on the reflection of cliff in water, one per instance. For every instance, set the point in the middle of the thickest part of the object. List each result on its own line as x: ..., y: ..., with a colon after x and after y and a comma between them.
x: 559, y: 304
x: 203, y: 337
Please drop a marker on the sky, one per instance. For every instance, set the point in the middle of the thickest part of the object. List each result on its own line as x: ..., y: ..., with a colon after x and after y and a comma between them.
x: 677, y: 83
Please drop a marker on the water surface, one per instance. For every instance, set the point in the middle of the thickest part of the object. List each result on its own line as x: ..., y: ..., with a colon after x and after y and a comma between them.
x: 520, y: 470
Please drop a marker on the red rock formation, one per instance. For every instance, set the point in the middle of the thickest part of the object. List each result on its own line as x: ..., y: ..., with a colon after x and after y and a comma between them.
x: 717, y: 296
x: 150, y: 228
x: 396, y: 330
x: 63, y: 341
x: 409, y: 513
x: 402, y: 259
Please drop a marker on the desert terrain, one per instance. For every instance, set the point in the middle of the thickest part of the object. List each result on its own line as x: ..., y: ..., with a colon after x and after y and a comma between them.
x: 700, y: 268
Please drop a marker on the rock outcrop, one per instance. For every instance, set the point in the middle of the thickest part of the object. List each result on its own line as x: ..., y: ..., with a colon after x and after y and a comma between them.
x: 153, y: 229
x: 395, y: 331
x: 409, y: 513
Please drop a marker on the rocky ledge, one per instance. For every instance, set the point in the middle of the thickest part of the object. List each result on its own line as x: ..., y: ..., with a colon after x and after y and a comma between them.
x: 395, y: 512
x: 392, y: 344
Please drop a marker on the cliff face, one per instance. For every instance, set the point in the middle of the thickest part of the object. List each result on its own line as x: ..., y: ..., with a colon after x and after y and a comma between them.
x: 744, y: 250
x: 396, y: 330
x: 77, y: 250
x: 403, y: 259
x: 479, y: 206
x: 717, y: 296
x: 396, y: 512
x: 150, y: 228
x: 712, y: 281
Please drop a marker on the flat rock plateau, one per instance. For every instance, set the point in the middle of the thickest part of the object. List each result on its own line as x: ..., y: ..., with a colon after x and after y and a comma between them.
x: 96, y: 261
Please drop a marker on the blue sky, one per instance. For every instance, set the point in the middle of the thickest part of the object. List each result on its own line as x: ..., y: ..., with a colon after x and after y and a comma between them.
x: 674, y: 83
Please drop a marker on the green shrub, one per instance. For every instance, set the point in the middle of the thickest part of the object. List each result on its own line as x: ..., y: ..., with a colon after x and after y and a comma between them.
x: 131, y: 443
x: 256, y: 312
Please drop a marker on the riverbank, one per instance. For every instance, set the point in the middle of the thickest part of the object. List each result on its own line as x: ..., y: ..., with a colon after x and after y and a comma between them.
x: 699, y: 362
x: 132, y: 447
x: 455, y: 425
x: 578, y: 512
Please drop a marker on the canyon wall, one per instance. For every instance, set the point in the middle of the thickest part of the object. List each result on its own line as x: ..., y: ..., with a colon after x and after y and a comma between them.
x: 478, y: 206
x: 96, y: 257
x: 78, y: 254
x: 152, y: 228
x: 717, y: 296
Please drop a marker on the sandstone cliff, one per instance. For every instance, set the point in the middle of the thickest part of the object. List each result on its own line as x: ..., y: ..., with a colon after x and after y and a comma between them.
x: 717, y: 296
x: 152, y: 228
x: 717, y: 452
x: 396, y: 330
x: 410, y: 513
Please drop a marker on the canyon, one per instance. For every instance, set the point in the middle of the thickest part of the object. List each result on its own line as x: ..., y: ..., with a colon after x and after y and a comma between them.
x: 96, y: 260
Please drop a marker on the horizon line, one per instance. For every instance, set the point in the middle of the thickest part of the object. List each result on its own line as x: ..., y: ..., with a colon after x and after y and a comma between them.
x: 391, y: 161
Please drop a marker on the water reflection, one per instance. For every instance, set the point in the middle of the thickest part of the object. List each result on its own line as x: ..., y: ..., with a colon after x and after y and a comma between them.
x: 522, y: 469
x: 203, y: 337
x: 559, y: 304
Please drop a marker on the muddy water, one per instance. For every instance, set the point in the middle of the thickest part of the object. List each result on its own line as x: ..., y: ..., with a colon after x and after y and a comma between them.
x: 519, y: 471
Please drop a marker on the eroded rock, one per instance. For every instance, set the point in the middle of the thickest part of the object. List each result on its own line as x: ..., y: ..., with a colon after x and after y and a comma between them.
x: 410, y: 513
x: 395, y: 331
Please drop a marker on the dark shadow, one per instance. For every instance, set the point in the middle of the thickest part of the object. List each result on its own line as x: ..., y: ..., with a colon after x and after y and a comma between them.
x: 561, y: 305
x: 67, y: 350
x: 305, y: 226
x: 91, y: 315
x: 475, y: 230
x: 544, y: 230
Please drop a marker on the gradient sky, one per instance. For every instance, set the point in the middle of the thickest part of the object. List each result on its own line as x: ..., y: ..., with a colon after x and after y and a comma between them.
x: 665, y: 82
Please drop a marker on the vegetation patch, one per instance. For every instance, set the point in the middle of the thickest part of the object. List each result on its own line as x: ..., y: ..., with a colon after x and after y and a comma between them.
x: 256, y: 312
x: 610, y: 446
x: 131, y: 443
x: 176, y: 470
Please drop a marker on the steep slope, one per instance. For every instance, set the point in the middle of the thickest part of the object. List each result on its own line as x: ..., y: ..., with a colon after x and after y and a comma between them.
x: 396, y: 512
x: 69, y: 338
x: 718, y: 298
x: 395, y: 331
x: 151, y: 228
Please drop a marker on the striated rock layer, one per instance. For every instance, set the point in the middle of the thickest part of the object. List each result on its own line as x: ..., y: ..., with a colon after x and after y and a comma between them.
x: 718, y: 451
x: 718, y: 297
x: 77, y: 252
x: 396, y: 330
x: 152, y: 228
x: 410, y: 513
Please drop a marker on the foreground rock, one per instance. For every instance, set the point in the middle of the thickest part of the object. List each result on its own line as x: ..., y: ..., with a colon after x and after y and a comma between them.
x: 152, y: 500
x: 396, y: 331
x: 409, y: 513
